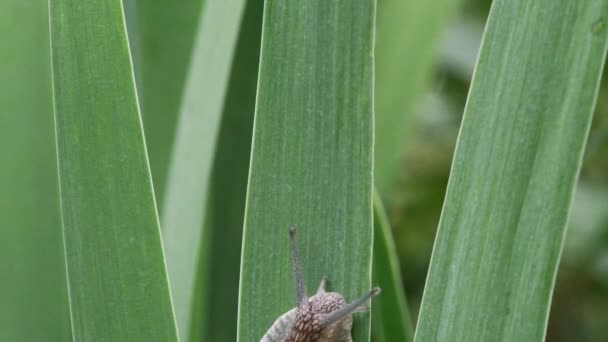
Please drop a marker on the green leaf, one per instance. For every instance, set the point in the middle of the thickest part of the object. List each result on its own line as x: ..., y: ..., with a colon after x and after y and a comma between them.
x: 192, y: 159
x: 406, y: 40
x: 390, y: 316
x: 219, y: 280
x: 116, y: 274
x: 311, y: 163
x: 162, y: 35
x: 33, y: 293
x: 516, y: 164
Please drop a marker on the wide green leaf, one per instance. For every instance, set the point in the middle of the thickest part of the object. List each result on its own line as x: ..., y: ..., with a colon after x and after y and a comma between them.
x: 391, y: 317
x: 33, y: 293
x: 116, y: 273
x: 194, y: 150
x: 311, y: 163
x: 516, y: 164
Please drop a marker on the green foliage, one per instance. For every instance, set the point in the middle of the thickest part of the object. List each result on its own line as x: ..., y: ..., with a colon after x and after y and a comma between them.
x: 191, y: 164
x: 513, y: 175
x: 33, y: 293
x: 161, y: 38
x: 390, y: 316
x: 226, y: 205
x: 228, y: 189
x: 116, y: 272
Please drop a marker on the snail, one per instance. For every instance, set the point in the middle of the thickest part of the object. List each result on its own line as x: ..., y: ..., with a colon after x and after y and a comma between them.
x: 324, y: 317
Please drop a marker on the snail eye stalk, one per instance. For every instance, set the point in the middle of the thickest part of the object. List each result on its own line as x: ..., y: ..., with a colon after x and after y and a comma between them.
x: 301, y: 298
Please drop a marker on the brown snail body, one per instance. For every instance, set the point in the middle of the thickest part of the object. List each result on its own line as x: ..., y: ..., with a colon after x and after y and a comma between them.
x: 324, y: 317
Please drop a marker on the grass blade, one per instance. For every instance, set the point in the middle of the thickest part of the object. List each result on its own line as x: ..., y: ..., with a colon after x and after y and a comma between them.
x: 407, y: 36
x: 33, y: 287
x: 219, y: 280
x: 311, y: 160
x: 390, y: 315
x: 116, y: 273
x: 516, y: 164
x: 191, y: 165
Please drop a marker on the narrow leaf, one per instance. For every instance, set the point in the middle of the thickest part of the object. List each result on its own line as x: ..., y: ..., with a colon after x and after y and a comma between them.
x: 191, y: 165
x: 116, y: 273
x: 311, y: 160
x: 33, y: 292
x: 391, y: 318
x: 516, y: 164
x: 218, y: 283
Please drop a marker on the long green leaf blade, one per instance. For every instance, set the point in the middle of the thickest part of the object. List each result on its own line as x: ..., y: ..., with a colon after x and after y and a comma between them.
x: 33, y: 288
x: 311, y: 160
x: 116, y: 274
x: 391, y: 317
x: 516, y: 164
x: 192, y: 159
x: 220, y: 263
